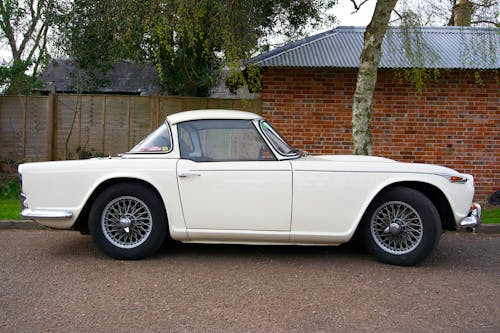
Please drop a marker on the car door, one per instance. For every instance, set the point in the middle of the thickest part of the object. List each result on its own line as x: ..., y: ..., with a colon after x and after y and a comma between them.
x: 229, y: 180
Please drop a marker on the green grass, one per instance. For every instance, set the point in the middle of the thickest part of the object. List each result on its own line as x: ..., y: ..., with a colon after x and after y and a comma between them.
x: 491, y: 216
x: 10, y: 209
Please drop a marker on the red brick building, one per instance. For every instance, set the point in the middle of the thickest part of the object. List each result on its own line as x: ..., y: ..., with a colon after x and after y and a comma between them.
x: 308, y: 88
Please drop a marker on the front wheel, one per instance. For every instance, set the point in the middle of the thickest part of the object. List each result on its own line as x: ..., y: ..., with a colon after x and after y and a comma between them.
x: 401, y: 227
x: 128, y: 221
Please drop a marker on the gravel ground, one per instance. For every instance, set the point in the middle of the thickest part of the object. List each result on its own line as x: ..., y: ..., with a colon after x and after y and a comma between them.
x: 58, y: 281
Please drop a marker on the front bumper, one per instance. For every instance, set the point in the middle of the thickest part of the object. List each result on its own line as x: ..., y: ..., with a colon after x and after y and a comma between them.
x: 473, y: 219
x: 46, y: 214
x: 42, y: 213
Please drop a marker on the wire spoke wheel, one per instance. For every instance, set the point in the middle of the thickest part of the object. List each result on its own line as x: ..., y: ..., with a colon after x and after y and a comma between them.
x: 126, y: 222
x: 396, y: 227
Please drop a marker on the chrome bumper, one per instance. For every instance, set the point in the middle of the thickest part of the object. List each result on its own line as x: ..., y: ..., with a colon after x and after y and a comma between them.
x: 35, y: 214
x: 473, y: 219
x: 45, y: 214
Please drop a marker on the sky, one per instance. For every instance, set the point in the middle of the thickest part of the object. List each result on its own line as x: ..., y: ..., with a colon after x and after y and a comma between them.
x: 343, y: 12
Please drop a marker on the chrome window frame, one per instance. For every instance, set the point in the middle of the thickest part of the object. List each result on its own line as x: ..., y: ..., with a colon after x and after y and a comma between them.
x: 172, y: 142
x: 259, y: 123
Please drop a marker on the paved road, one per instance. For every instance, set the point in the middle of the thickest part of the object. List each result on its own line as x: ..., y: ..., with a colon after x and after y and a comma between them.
x: 58, y: 281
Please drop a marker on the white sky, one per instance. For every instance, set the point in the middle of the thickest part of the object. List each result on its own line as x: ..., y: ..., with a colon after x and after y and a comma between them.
x: 345, y: 15
x: 343, y: 12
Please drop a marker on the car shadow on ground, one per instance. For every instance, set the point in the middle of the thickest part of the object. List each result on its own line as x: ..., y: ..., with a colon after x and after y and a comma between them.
x: 84, y: 246
x: 283, y: 252
x: 77, y: 247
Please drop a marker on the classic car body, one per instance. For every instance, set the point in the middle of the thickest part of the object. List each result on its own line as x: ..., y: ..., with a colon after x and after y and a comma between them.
x: 228, y: 177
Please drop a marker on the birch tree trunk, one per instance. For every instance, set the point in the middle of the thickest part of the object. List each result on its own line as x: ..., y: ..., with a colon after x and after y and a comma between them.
x: 367, y: 76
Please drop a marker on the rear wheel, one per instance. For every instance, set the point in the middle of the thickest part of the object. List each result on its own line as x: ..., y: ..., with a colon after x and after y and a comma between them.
x: 128, y: 221
x: 401, y: 227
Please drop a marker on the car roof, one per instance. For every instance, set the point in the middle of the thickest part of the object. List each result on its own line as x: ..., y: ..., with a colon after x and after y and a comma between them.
x: 211, y: 114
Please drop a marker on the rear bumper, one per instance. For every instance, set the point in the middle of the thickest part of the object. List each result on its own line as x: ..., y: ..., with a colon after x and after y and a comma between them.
x: 473, y: 219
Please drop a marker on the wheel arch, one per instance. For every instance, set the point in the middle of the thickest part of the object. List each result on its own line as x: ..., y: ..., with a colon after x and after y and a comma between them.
x: 430, y: 191
x: 81, y: 223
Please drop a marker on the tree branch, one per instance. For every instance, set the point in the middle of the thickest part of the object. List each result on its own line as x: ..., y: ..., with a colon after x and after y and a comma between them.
x: 35, y: 18
x: 356, y: 6
x: 497, y: 24
x: 397, y: 13
x: 42, y: 32
x: 40, y: 52
x: 6, y: 27
x: 489, y: 4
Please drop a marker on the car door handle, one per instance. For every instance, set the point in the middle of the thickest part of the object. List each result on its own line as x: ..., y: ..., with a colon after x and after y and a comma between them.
x: 189, y: 174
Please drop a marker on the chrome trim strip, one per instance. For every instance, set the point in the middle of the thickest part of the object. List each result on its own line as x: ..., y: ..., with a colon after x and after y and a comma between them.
x: 235, y: 170
x: 188, y: 174
x: 244, y: 236
x: 46, y: 213
x: 367, y: 171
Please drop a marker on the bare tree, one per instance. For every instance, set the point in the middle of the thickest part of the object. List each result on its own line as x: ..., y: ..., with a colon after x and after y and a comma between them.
x: 431, y: 12
x: 24, y: 29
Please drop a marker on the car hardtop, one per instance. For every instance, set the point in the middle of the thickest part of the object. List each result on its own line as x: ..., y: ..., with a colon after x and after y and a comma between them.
x: 211, y: 114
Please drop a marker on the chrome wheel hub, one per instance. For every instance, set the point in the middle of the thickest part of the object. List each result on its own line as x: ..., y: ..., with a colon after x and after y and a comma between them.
x: 393, y: 228
x: 126, y: 222
x: 396, y: 227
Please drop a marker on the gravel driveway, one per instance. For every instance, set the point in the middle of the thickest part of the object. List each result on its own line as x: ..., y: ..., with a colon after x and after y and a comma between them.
x: 58, y: 281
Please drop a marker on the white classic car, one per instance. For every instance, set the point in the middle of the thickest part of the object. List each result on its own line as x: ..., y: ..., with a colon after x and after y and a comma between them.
x: 220, y: 176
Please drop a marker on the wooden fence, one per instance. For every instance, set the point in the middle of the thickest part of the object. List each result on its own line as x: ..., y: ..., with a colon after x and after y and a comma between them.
x: 39, y: 128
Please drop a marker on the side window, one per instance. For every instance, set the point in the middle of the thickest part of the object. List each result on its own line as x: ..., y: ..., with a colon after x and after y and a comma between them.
x: 222, y: 140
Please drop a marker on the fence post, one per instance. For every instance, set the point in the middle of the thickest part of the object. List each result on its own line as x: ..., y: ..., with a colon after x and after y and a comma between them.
x: 52, y: 124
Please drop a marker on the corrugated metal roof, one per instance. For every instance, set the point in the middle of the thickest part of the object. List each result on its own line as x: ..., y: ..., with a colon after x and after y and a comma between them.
x: 429, y: 47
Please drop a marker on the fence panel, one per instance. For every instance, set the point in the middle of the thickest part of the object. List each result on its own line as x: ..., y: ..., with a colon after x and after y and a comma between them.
x: 35, y: 138
x: 23, y: 125
x: 91, y: 125
x: 141, y: 119
x: 66, y: 126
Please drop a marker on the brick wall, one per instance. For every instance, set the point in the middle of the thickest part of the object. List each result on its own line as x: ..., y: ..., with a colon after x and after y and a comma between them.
x: 455, y: 122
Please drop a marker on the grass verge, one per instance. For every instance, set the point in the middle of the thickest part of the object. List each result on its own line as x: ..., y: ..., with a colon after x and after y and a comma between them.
x: 491, y: 216
x: 10, y: 209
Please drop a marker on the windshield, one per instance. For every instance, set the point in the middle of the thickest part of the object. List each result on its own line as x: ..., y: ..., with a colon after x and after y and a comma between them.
x: 160, y: 141
x: 276, y: 140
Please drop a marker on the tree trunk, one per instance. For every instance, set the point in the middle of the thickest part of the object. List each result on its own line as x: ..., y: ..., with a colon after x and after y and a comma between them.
x: 367, y: 76
x: 462, y: 13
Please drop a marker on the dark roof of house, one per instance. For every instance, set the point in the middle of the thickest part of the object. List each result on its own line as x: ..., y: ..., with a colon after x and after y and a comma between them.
x: 429, y: 47
x: 123, y: 78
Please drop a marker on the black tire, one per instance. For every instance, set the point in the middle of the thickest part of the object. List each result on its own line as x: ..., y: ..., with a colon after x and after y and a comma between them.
x: 128, y: 221
x: 401, y: 227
